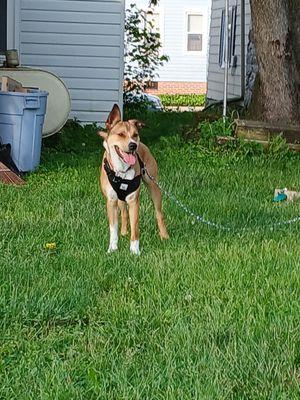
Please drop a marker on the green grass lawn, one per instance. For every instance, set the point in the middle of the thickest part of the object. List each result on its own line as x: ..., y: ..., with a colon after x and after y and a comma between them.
x: 206, y: 315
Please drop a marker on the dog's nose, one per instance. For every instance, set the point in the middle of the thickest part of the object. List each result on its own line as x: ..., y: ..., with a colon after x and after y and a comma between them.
x: 132, y: 146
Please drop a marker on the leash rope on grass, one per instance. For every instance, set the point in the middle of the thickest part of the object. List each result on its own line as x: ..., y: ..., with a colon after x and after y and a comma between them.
x: 211, y: 224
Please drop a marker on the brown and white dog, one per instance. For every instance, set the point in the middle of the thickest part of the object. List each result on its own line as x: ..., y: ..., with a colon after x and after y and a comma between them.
x: 123, y: 159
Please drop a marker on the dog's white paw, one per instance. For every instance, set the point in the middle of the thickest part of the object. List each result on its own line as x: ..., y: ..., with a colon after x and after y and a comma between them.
x: 135, y: 247
x: 111, y: 249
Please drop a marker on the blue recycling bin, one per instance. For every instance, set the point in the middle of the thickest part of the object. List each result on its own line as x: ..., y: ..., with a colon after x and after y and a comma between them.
x: 21, y: 124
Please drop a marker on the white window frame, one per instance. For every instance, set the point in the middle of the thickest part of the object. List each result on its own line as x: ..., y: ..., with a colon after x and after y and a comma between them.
x: 203, y: 13
x: 231, y: 39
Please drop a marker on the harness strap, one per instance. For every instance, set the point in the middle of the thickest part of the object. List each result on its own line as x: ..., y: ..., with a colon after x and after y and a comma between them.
x: 142, y: 165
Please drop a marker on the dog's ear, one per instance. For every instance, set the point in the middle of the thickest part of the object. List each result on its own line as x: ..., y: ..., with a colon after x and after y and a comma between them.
x: 138, y: 124
x: 103, y: 134
x: 114, y: 117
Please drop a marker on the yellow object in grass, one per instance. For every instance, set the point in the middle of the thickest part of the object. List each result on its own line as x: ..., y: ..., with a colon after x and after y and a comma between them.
x: 50, y: 246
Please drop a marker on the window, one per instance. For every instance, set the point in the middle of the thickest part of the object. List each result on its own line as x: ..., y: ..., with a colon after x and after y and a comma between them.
x: 194, y: 32
x: 3, y: 25
x: 231, y: 37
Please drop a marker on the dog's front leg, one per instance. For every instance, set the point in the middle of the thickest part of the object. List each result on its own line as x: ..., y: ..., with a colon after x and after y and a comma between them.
x: 124, y: 217
x: 112, y: 213
x: 133, y: 206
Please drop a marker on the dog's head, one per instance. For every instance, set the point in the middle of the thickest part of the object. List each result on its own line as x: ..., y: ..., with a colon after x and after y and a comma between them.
x: 122, y: 138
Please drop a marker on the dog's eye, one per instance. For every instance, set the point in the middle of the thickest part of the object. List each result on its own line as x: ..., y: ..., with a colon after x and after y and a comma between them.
x: 121, y: 134
x: 135, y: 136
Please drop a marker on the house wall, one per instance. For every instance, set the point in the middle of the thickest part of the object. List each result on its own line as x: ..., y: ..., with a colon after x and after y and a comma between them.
x: 183, y: 66
x: 80, y: 41
x: 215, y: 79
x: 177, y: 87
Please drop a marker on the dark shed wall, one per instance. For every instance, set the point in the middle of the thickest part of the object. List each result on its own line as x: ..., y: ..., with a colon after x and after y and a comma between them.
x: 3, y: 25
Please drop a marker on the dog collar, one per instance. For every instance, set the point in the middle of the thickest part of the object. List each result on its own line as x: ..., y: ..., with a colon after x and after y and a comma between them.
x: 124, y: 187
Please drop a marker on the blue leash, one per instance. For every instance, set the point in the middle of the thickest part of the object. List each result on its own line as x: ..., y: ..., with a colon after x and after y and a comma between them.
x: 201, y: 219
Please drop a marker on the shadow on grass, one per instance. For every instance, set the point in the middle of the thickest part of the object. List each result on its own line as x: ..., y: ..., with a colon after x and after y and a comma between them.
x: 160, y: 124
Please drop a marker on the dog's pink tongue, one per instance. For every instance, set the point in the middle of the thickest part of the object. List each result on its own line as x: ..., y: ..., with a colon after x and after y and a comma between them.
x: 128, y: 158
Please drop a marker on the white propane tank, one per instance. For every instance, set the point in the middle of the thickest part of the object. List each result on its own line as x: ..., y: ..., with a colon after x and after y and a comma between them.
x: 59, y: 101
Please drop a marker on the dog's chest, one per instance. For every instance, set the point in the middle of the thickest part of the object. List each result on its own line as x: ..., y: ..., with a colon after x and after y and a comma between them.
x: 126, y: 175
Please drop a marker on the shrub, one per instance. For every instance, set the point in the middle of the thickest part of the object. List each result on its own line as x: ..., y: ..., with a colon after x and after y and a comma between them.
x: 192, y: 100
x: 142, y: 57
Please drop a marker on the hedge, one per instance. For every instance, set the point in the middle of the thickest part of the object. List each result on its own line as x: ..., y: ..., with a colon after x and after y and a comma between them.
x: 192, y: 100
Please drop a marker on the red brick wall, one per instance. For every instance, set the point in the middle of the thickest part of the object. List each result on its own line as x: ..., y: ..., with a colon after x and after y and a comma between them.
x: 179, y: 88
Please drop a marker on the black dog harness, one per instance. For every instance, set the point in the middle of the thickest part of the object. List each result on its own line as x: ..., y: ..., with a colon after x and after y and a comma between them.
x: 124, y: 187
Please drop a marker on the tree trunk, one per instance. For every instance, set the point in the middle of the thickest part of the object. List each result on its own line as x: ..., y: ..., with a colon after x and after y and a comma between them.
x: 276, y: 33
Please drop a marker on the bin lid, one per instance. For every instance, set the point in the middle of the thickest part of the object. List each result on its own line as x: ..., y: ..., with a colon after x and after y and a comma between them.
x: 58, y: 102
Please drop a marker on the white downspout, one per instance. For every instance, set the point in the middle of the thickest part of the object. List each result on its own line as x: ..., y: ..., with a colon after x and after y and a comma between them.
x: 226, y: 60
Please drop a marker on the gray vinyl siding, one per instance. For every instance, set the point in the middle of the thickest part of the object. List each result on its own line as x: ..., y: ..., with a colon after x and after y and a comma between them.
x: 82, y: 42
x: 215, y: 79
x: 183, y: 66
